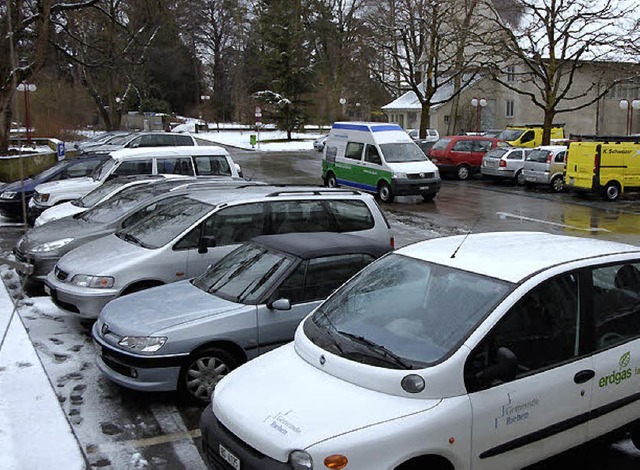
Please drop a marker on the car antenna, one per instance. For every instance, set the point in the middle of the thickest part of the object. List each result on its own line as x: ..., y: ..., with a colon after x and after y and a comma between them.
x: 465, y: 237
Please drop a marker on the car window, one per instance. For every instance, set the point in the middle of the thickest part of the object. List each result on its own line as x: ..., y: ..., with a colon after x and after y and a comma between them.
x: 515, y: 155
x: 299, y: 216
x: 616, y: 304
x: 81, y: 169
x: 183, y: 140
x: 559, y: 158
x: 541, y: 330
x: 538, y: 155
x: 463, y: 146
x: 441, y: 144
x: 371, y: 155
x: 354, y: 150
x: 175, y: 166
x: 236, y: 224
x: 481, y: 145
x: 402, y: 152
x: 351, y: 216
x: 528, y: 137
x: 134, y: 167
x: 317, y: 278
x: 212, y: 165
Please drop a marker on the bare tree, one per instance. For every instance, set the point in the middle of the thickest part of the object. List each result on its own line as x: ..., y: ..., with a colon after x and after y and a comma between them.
x: 25, y: 30
x: 553, y: 42
x: 427, y: 43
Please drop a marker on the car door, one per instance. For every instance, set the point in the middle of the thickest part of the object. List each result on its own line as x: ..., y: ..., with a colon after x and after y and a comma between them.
x: 616, y: 334
x: 372, y: 167
x: 479, y: 149
x: 349, y: 169
x: 228, y: 227
x: 538, y: 408
x: 461, y: 152
x: 305, y: 287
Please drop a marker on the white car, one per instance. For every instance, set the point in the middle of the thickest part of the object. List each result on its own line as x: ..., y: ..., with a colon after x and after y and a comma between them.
x: 443, y: 355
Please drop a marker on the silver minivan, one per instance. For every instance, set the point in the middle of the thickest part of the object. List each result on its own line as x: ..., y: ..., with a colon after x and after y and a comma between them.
x: 545, y: 165
x: 182, y: 238
x: 187, y: 335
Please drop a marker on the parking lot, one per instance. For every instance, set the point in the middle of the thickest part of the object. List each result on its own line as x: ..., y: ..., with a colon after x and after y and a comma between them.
x: 120, y: 428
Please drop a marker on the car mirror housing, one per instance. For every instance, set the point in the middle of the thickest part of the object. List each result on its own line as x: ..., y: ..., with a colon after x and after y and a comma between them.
x: 280, y: 304
x: 205, y: 243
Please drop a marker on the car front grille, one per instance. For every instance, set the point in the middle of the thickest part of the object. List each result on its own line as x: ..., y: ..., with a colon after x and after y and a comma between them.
x: 20, y: 256
x: 60, y: 274
x: 420, y: 176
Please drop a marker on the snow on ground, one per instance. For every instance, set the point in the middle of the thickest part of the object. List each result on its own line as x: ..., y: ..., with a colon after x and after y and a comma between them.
x: 34, y: 432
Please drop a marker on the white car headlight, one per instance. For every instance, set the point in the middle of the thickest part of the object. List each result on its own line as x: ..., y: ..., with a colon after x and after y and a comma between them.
x: 51, y: 246
x: 436, y: 174
x: 399, y: 176
x: 8, y: 195
x: 143, y: 343
x: 300, y: 460
x: 44, y: 197
x: 99, y: 282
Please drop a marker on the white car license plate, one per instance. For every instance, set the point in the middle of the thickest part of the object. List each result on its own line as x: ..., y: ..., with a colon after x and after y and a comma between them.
x: 47, y: 289
x: 529, y: 178
x: 424, y: 188
x: 229, y: 457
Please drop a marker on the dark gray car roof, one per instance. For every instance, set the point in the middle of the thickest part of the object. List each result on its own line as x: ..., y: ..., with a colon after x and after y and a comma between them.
x: 316, y: 244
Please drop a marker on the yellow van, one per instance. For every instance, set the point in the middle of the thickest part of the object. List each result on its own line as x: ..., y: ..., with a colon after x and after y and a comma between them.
x: 609, y: 166
x: 529, y: 135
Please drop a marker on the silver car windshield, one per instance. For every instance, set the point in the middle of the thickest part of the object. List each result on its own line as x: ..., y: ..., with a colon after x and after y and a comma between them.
x: 538, y: 155
x: 402, y: 152
x: 92, y: 198
x: 496, y: 153
x: 166, y: 223
x: 401, y: 312
x: 244, y: 275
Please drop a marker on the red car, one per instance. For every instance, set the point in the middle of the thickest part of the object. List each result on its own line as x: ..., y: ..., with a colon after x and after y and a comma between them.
x: 461, y: 154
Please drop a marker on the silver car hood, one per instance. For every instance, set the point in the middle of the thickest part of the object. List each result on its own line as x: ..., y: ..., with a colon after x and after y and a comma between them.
x: 66, y: 227
x: 152, y: 311
x: 101, y: 257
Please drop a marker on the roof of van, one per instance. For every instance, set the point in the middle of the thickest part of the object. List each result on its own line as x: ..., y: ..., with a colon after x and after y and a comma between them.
x: 169, y: 151
x: 367, y: 126
x: 519, y: 252
x: 557, y: 148
x: 259, y: 191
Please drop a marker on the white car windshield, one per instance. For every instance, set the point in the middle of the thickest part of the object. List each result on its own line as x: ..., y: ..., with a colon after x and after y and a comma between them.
x: 245, y: 274
x: 103, y: 170
x: 401, y: 312
x: 402, y: 152
x: 92, y: 198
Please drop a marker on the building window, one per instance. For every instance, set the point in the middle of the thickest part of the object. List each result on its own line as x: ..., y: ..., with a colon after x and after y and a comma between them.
x: 446, y: 119
x: 511, y: 73
x: 509, y: 111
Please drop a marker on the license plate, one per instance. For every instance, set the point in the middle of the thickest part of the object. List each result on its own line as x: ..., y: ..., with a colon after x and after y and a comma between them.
x: 531, y: 179
x: 424, y: 188
x: 229, y: 457
x: 47, y: 289
x: 572, y: 181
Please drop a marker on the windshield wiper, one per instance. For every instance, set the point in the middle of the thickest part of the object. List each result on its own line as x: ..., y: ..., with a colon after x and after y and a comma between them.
x: 130, y: 238
x: 334, y: 341
x: 265, y: 277
x: 380, y: 349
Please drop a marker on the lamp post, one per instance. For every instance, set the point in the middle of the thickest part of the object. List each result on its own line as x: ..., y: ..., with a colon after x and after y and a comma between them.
x: 478, y: 103
x: 343, y: 102
x: 27, y: 87
x: 629, y: 107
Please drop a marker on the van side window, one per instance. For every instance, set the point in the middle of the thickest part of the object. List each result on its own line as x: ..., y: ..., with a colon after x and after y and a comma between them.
x: 616, y: 304
x: 482, y: 146
x: 133, y: 167
x: 212, y: 165
x: 351, y: 216
x: 371, y: 155
x: 560, y: 157
x: 299, y: 216
x: 463, y: 146
x: 541, y: 330
x: 354, y: 150
x: 183, y: 141
x: 174, y: 166
x: 236, y: 224
x: 527, y: 137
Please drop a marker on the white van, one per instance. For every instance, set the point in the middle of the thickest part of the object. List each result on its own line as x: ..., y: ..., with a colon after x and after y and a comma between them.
x: 379, y: 158
x: 190, y: 161
x: 442, y: 355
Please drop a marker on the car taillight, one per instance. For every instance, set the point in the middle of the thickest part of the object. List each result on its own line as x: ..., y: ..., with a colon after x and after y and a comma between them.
x: 596, y: 163
x: 392, y: 242
x: 549, y: 157
x: 503, y: 163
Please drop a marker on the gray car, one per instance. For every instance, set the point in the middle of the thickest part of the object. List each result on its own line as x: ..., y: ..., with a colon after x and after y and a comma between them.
x: 545, y: 165
x: 504, y: 163
x: 186, y: 336
x: 44, y: 245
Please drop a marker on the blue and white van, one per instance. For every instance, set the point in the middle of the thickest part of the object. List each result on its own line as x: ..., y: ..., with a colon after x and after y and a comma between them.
x: 379, y: 158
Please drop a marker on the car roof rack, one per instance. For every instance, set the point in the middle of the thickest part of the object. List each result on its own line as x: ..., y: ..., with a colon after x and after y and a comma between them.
x: 604, y: 138
x: 318, y: 191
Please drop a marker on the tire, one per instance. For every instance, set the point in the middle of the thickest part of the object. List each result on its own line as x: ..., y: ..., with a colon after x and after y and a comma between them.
x: 463, y: 172
x: 201, y: 373
x: 529, y: 185
x: 557, y: 185
x: 384, y: 192
x: 635, y: 436
x: 611, y: 191
x: 518, y: 179
x: 330, y: 180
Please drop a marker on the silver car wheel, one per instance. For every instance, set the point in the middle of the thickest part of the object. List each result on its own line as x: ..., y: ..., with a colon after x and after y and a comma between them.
x: 203, y: 374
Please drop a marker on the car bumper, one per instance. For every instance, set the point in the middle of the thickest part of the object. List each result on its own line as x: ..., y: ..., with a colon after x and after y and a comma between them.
x: 81, y: 301
x: 412, y: 187
x: 536, y: 178
x: 215, y: 434
x: 42, y: 266
x: 501, y: 173
x: 11, y: 208
x: 447, y: 169
x: 144, y: 373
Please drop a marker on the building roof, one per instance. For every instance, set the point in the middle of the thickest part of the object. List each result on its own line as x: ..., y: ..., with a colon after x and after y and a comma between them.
x: 316, y: 244
x: 511, y: 256
x: 409, y: 101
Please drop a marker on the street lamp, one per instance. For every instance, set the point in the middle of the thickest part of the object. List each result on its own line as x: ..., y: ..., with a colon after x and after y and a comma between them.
x: 624, y: 105
x: 343, y: 102
x: 27, y: 87
x: 478, y: 103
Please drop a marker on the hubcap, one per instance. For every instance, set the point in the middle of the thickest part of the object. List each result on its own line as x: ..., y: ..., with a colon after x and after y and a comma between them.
x: 557, y: 184
x: 203, y: 375
x: 612, y: 192
x: 384, y: 193
x: 463, y: 173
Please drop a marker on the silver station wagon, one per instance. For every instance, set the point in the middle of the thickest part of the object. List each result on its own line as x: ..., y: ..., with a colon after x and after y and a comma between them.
x: 186, y: 336
x: 182, y: 238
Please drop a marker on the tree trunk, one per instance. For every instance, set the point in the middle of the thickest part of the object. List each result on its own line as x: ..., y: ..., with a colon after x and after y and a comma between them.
x: 6, y: 98
x: 549, y: 115
x: 425, y: 117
